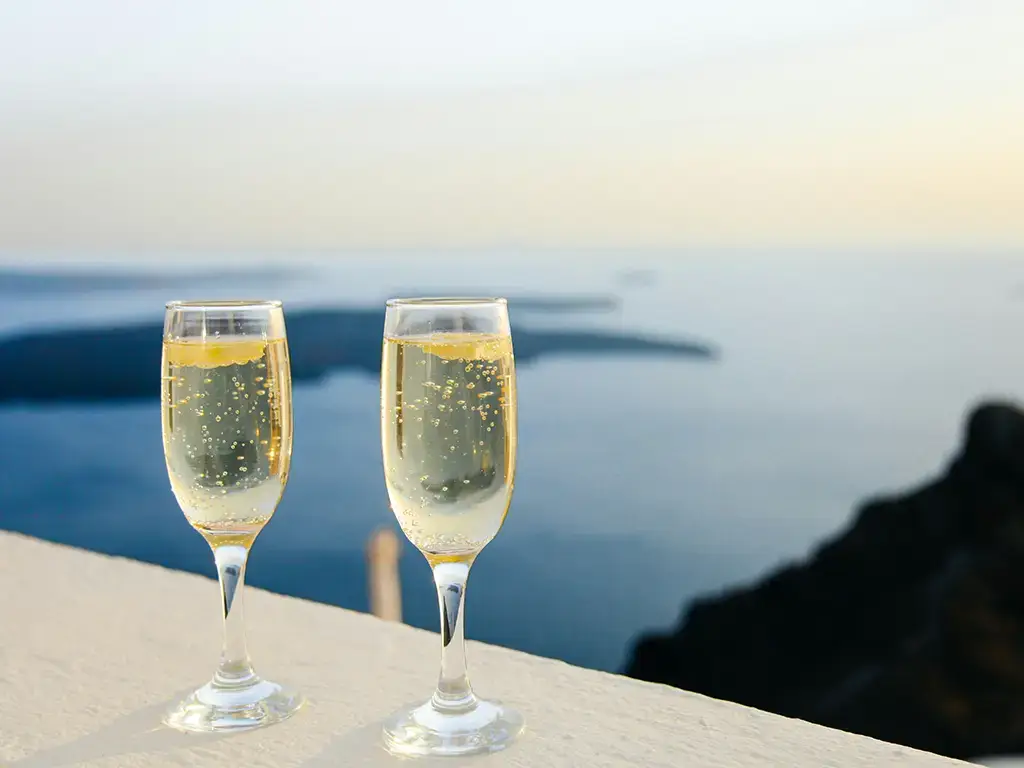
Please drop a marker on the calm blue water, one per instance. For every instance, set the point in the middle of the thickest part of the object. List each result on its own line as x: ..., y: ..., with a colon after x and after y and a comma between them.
x: 642, y: 480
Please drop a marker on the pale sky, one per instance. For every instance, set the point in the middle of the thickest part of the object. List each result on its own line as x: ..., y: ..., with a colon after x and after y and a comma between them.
x: 332, y: 123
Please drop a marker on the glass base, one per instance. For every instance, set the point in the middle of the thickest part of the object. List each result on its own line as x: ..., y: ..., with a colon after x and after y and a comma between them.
x: 217, y: 708
x: 427, y: 731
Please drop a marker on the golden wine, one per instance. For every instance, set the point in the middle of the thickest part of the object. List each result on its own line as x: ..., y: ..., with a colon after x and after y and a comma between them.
x: 449, y: 435
x: 227, y: 429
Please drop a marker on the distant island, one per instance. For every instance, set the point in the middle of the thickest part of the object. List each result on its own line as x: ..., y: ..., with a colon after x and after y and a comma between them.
x: 17, y: 282
x: 122, y: 362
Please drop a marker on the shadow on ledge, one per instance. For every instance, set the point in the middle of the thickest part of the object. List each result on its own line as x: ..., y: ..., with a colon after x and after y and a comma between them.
x: 122, y: 363
x: 908, y: 627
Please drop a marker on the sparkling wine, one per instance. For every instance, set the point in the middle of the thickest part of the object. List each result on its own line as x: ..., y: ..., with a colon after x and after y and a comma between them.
x: 449, y: 436
x: 227, y: 430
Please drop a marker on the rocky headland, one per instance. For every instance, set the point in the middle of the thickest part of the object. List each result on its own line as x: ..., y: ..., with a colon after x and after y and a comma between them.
x: 908, y: 626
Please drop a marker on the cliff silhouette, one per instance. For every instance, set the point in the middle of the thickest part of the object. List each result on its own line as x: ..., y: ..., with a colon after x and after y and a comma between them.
x: 908, y: 626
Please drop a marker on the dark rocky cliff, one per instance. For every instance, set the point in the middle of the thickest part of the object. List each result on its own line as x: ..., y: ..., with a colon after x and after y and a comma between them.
x: 908, y: 626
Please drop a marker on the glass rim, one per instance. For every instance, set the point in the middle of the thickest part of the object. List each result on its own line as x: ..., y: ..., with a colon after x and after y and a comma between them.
x: 215, y: 304
x: 447, y: 301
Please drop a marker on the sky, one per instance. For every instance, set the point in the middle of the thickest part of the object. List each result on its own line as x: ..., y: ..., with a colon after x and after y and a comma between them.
x: 655, y: 123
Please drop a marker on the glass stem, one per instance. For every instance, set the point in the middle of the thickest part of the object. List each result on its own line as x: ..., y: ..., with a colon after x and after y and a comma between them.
x: 234, y: 671
x: 453, y: 689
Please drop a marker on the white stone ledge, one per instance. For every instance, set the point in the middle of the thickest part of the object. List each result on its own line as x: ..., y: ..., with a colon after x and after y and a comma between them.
x: 92, y: 648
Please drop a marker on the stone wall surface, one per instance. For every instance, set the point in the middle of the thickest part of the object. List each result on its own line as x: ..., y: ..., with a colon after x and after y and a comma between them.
x: 93, y: 648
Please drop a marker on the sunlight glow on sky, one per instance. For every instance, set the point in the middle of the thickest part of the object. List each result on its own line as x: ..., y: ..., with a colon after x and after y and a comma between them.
x: 334, y: 123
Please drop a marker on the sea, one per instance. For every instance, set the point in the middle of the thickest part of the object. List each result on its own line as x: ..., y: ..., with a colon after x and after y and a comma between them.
x: 646, y: 478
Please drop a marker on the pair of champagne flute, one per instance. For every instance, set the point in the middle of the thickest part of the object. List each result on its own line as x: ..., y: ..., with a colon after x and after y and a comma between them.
x: 448, y: 426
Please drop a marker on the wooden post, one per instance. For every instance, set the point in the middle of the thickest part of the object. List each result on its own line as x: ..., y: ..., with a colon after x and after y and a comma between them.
x: 382, y: 553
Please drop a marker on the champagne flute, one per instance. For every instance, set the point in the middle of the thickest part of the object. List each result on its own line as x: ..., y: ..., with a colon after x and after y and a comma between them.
x: 448, y: 425
x: 227, y: 430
